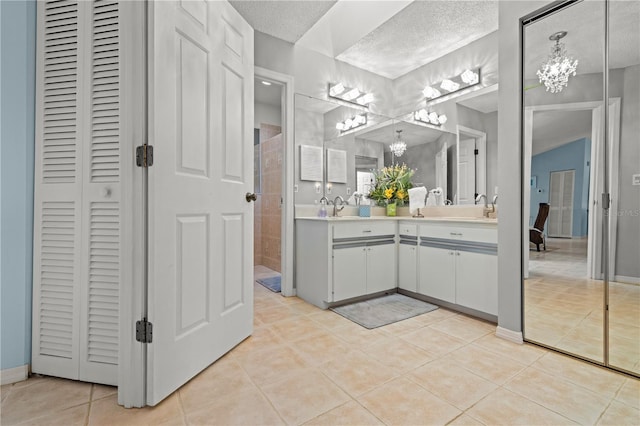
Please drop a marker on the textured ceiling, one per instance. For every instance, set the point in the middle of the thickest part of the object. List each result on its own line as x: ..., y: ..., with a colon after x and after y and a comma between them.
x: 421, y: 33
x: 286, y: 20
x: 584, y: 23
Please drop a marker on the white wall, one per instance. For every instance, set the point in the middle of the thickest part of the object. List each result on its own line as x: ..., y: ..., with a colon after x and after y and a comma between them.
x: 266, y: 114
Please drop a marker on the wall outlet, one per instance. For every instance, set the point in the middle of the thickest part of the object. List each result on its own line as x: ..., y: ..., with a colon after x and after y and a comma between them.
x: 636, y: 180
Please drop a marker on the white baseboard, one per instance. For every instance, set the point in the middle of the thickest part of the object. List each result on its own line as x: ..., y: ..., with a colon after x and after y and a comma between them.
x: 13, y: 375
x: 512, y: 336
x: 626, y: 280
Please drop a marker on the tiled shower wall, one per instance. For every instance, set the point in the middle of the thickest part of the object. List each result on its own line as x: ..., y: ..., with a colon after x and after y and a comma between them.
x: 268, y: 216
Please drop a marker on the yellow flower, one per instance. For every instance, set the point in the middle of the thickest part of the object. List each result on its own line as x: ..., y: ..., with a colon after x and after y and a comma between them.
x: 388, y: 193
x: 401, y: 194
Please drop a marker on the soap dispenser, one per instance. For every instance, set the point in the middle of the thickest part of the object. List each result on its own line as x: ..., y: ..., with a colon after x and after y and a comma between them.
x: 322, y: 212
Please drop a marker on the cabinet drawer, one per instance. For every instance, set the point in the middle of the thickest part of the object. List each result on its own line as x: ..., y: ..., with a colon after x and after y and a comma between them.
x: 410, y: 229
x: 366, y: 229
x: 460, y: 231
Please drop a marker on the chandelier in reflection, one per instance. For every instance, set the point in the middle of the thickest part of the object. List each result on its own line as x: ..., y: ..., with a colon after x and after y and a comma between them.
x: 398, y: 147
x: 555, y: 72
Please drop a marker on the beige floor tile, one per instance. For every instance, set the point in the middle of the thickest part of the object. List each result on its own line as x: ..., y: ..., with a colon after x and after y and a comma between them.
x: 107, y: 412
x: 248, y: 407
x: 43, y: 397
x: 356, y: 335
x: 630, y: 393
x: 570, y: 400
x: 464, y: 420
x: 329, y: 319
x: 302, y: 307
x: 464, y: 328
x: 303, y: 395
x: 397, y: 354
x: 435, y: 343
x: 269, y: 364
x: 402, y: 327
x: 443, y: 378
x: 486, y: 364
x: 402, y: 402
x: 523, y: 353
x: 503, y: 407
x: 261, y: 338
x: 4, y: 391
x: 295, y: 328
x: 618, y: 414
x: 278, y: 312
x: 320, y: 348
x: 357, y: 373
x: 67, y: 417
x: 214, y: 382
x: 102, y: 391
x: 599, y: 380
x: 348, y: 414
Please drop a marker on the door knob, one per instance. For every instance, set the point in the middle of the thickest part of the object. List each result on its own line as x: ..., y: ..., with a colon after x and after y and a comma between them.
x: 250, y: 197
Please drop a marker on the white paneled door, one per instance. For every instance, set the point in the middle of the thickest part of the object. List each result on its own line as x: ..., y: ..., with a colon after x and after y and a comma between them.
x: 200, y: 298
x: 466, y: 171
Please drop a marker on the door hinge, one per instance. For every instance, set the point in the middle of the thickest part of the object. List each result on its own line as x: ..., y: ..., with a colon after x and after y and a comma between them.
x: 606, y: 201
x: 476, y: 152
x: 144, y: 155
x: 144, y: 331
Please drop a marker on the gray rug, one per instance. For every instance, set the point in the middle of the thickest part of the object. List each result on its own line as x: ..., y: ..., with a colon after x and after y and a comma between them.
x: 383, y: 310
x: 272, y: 283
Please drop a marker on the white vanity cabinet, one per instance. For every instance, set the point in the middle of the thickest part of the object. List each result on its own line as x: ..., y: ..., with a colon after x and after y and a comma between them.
x: 408, y: 256
x: 339, y: 259
x: 458, y: 264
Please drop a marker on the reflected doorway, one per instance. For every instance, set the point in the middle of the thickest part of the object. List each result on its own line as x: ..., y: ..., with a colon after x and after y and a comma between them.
x: 268, y: 179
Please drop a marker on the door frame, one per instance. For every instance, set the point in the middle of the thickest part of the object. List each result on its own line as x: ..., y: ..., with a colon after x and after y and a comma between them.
x: 287, y: 228
x: 481, y: 160
x: 594, y: 250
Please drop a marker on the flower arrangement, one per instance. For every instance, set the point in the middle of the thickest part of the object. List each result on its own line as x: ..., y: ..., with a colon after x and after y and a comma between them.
x: 392, y: 185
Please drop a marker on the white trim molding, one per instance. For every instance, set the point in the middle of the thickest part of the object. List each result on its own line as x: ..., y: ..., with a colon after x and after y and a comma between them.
x: 512, y: 336
x: 626, y: 280
x: 13, y: 375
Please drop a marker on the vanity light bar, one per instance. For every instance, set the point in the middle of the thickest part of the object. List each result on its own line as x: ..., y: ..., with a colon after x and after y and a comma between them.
x: 351, y: 95
x: 352, y: 123
x: 467, y: 78
x: 427, y: 117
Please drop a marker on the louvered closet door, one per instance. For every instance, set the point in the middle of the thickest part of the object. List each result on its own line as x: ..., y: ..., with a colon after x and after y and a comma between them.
x: 77, y: 192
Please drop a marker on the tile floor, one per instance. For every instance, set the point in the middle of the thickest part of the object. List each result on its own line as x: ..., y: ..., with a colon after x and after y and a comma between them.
x: 563, y: 308
x: 303, y: 365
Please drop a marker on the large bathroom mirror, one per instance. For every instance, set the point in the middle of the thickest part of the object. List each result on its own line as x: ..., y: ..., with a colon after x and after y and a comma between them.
x: 328, y: 156
x: 428, y: 150
x: 573, y: 152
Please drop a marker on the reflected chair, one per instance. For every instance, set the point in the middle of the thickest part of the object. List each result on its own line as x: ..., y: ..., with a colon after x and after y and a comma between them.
x: 536, y: 234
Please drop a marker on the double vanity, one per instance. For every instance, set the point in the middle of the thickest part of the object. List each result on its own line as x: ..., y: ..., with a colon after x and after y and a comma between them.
x: 448, y: 261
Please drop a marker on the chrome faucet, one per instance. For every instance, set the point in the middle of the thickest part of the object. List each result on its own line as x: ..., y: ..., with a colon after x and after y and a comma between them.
x: 335, y: 205
x: 480, y: 197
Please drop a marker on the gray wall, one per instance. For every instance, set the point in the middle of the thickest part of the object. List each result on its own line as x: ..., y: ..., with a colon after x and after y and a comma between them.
x: 509, y: 159
x: 487, y: 123
x: 628, y: 238
x: 309, y: 130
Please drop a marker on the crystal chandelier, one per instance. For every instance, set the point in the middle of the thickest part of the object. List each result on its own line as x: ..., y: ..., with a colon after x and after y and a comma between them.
x: 398, y: 147
x: 556, y: 71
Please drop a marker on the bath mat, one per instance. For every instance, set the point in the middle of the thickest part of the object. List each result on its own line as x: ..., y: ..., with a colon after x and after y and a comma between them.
x: 384, y: 310
x: 272, y: 283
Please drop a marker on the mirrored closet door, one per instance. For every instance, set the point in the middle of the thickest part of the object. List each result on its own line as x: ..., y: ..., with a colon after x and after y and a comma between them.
x: 581, y: 259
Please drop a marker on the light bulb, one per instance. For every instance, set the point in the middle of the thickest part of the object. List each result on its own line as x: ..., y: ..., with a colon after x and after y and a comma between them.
x: 424, y: 115
x: 340, y: 126
x: 469, y: 77
x: 348, y: 123
x: 351, y: 95
x: 433, y: 117
x: 336, y: 90
x: 442, y: 119
x: 360, y: 119
x: 366, y: 99
x: 449, y: 86
x: 431, y: 93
